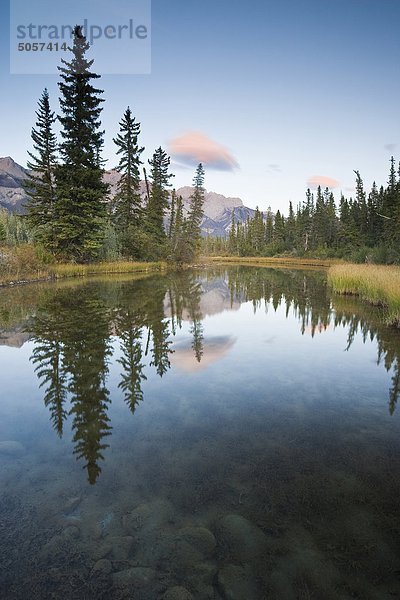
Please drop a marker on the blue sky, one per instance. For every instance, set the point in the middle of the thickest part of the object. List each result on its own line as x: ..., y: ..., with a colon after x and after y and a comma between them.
x: 290, y: 90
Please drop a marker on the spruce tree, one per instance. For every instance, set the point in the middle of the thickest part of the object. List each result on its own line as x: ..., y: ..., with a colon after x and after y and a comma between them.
x: 127, y: 202
x: 391, y: 214
x: 195, y: 214
x: 81, y: 207
x: 40, y: 185
x: 158, y: 199
x: 232, y: 245
x: 269, y: 228
x: 178, y: 238
x: 279, y: 232
x: 172, y: 214
x: 290, y: 228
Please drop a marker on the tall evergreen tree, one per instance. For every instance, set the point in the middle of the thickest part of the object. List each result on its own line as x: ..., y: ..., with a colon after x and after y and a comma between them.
x: 290, y: 233
x: 40, y: 185
x: 178, y: 238
x: 279, y: 231
x: 172, y: 214
x: 232, y: 241
x: 81, y: 208
x: 158, y: 200
x: 127, y: 203
x: 195, y: 214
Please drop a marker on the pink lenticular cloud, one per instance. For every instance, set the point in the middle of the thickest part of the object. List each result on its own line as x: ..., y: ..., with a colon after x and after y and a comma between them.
x: 194, y: 147
x: 323, y: 181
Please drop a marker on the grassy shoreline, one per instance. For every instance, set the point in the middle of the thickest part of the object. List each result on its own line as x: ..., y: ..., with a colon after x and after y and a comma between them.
x: 56, y: 272
x: 269, y: 261
x: 376, y: 284
x: 24, y: 265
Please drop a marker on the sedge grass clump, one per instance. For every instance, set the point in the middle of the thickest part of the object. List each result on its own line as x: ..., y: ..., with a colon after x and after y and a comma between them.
x: 272, y: 260
x: 377, y: 284
x: 80, y: 270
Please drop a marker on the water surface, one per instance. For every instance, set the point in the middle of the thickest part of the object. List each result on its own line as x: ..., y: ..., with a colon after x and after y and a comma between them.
x: 232, y: 432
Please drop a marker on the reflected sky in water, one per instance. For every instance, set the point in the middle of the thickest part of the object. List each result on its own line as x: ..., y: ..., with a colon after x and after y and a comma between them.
x: 243, y: 337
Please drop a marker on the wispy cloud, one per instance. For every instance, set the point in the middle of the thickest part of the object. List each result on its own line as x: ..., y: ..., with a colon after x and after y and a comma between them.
x: 390, y: 147
x: 194, y: 147
x: 322, y: 180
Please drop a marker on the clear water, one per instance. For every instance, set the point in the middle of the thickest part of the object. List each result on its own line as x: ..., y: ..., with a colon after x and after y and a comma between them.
x: 231, y: 433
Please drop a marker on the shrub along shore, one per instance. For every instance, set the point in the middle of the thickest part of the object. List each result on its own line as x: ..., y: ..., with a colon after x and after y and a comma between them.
x: 25, y: 263
x: 376, y: 284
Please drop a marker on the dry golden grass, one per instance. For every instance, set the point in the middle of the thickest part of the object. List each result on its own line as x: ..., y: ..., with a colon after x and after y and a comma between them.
x: 266, y: 260
x: 24, y: 263
x: 377, y: 284
x: 59, y: 271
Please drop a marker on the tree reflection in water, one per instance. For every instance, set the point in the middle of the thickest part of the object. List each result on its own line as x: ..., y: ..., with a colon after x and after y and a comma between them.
x: 72, y: 330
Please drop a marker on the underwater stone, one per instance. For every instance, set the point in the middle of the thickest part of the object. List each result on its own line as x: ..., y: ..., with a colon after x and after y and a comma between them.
x: 102, y: 567
x: 177, y: 593
x: 237, y: 583
x: 102, y: 550
x: 200, y: 575
x: 11, y: 448
x: 135, y: 576
x: 122, y: 547
x: 244, y: 540
x: 149, y: 516
x: 199, y: 537
x: 71, y: 532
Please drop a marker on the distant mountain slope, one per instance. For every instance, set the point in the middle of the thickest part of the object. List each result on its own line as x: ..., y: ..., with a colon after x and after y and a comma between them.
x: 12, y: 195
x: 217, y: 208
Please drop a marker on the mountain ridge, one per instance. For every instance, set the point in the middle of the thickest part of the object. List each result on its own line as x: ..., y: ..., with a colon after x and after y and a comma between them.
x: 217, y: 207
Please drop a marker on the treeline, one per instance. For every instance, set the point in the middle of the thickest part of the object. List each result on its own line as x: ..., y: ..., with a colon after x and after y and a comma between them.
x: 70, y: 212
x: 365, y: 228
x: 13, y: 229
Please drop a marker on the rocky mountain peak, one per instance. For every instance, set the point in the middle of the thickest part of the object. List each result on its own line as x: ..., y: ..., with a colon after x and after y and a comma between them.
x: 217, y: 207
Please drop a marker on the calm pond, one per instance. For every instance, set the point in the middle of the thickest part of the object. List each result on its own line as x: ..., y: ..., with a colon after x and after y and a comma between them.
x: 221, y: 434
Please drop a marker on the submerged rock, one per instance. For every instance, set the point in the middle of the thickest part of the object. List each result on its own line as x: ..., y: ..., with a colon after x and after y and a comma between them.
x: 238, y: 583
x: 71, y: 532
x: 148, y: 517
x: 200, y: 538
x: 122, y: 546
x: 102, y: 550
x: 178, y: 593
x: 200, y: 579
x: 244, y: 540
x: 135, y: 576
x: 102, y: 567
x: 11, y: 448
